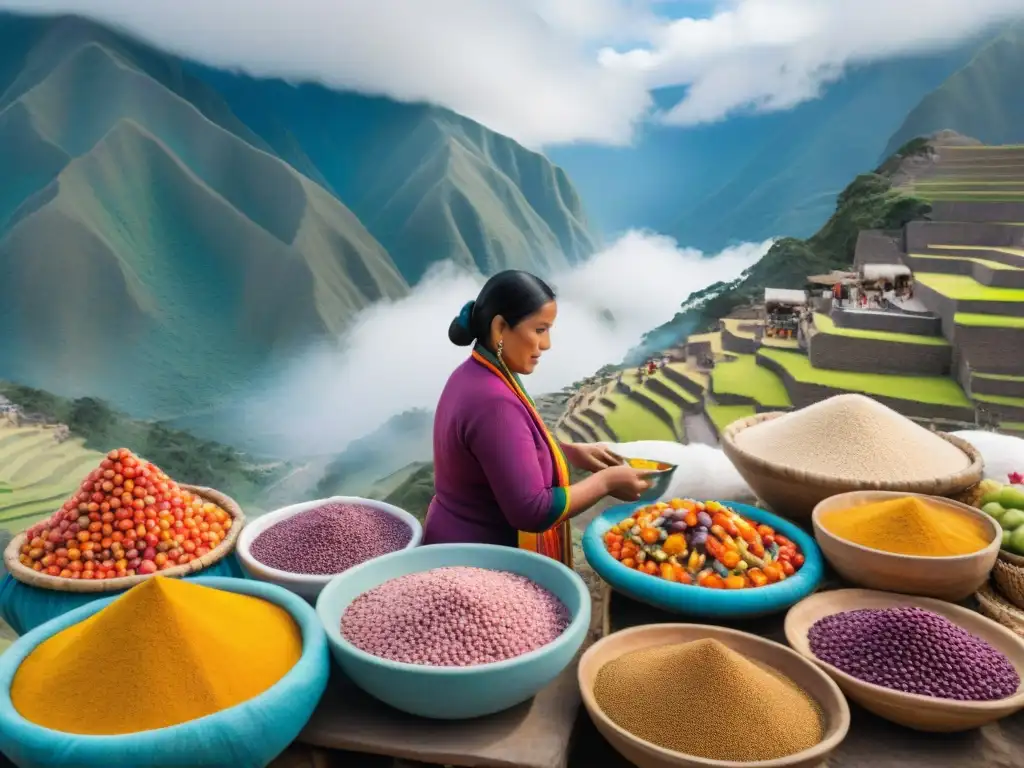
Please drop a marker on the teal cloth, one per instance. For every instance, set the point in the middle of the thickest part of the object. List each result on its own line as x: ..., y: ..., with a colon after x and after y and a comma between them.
x: 25, y: 607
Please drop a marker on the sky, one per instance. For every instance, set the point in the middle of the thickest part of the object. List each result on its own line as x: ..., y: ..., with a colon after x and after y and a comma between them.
x: 549, y: 72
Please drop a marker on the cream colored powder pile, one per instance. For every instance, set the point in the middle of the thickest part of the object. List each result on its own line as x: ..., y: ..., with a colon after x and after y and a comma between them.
x: 853, y: 437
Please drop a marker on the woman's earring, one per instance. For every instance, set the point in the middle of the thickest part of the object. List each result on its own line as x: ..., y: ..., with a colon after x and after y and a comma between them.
x: 501, y: 345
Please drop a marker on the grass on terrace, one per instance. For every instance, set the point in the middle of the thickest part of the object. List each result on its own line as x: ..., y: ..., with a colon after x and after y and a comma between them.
x: 1016, y: 402
x: 971, y: 259
x: 685, y: 369
x: 826, y: 325
x: 775, y: 341
x: 988, y: 321
x: 724, y: 415
x: 962, y: 288
x: 738, y: 327
x: 1000, y: 249
x: 714, y: 339
x: 936, y: 390
x: 631, y: 421
x: 744, y: 377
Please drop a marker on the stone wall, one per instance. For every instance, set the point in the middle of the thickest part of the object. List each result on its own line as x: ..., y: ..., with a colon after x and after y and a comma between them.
x: 662, y: 389
x: 578, y: 425
x: 698, y: 349
x: 848, y: 353
x: 804, y: 394
x: 1000, y: 278
x: 948, y: 210
x: 993, y: 350
x: 981, y: 253
x: 875, y: 246
x: 891, y: 322
x: 1001, y: 387
x: 738, y: 344
x: 918, y: 235
x: 685, y: 382
x: 600, y: 420
x: 656, y: 408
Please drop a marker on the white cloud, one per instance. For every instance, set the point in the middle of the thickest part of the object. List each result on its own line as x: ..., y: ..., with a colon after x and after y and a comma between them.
x: 524, y: 68
x: 773, y: 54
x: 331, y: 397
x: 535, y: 69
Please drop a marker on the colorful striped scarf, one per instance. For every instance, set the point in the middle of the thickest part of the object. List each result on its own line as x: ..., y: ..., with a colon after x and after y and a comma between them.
x: 556, y: 541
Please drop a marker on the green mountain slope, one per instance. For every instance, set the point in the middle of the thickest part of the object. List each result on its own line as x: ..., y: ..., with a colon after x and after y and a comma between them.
x: 428, y: 184
x: 197, y: 224
x: 869, y: 202
x: 984, y: 99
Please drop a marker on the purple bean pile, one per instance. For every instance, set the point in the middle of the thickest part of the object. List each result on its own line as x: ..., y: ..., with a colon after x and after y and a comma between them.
x: 914, y: 651
x: 329, y: 539
x: 454, y: 617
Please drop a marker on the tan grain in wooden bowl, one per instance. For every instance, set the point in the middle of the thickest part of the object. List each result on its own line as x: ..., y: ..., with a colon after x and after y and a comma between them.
x: 793, y: 493
x: 644, y: 754
x: 56, y: 583
x: 923, y: 713
x: 946, y: 578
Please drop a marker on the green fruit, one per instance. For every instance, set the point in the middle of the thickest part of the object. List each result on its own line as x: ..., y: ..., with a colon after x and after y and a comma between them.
x: 1012, y: 519
x: 1012, y: 496
x: 1006, y: 540
x: 1017, y: 541
x: 994, y: 495
x: 994, y: 509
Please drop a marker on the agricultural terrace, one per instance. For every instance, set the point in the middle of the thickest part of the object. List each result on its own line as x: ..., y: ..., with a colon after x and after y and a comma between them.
x: 988, y: 321
x: 735, y: 326
x: 997, y: 265
x: 41, y: 473
x: 962, y: 288
x: 713, y: 338
x: 934, y: 390
x: 743, y: 377
x: 631, y: 421
x: 724, y: 415
x: 691, y: 372
x: 824, y: 324
x: 778, y: 343
x: 998, y: 249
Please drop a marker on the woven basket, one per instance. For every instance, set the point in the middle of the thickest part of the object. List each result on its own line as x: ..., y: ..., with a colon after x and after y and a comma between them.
x: 996, y: 607
x: 57, y: 584
x: 794, y: 492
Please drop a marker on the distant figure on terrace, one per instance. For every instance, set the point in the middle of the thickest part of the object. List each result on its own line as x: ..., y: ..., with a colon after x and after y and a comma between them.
x: 651, y: 367
x: 501, y: 477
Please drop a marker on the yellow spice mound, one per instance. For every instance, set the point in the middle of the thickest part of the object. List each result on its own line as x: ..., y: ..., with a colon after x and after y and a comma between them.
x: 702, y: 698
x: 909, y: 526
x: 165, y: 652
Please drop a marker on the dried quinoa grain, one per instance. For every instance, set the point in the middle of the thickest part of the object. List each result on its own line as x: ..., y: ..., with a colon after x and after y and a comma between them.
x: 856, y: 438
x: 704, y: 699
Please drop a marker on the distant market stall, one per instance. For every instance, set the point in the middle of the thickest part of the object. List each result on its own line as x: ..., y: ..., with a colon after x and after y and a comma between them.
x: 782, y: 310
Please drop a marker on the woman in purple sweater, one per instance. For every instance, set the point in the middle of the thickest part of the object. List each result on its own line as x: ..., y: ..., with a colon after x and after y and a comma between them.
x: 500, y: 477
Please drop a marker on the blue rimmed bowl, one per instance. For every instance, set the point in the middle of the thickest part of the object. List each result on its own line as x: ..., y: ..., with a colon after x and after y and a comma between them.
x: 247, y: 735
x: 701, y: 601
x: 455, y: 693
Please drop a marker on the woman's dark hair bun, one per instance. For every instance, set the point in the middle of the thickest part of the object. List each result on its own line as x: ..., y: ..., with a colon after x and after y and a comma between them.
x: 459, y: 335
x: 513, y: 294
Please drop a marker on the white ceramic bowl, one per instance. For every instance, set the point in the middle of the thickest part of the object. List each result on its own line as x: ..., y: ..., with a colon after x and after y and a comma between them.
x: 301, y: 584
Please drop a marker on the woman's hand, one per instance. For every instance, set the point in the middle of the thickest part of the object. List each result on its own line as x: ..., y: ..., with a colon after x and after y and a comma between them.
x: 625, y: 483
x: 590, y: 457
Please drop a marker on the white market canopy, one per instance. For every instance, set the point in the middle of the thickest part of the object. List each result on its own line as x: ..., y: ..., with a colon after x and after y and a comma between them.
x: 784, y: 296
x: 885, y: 271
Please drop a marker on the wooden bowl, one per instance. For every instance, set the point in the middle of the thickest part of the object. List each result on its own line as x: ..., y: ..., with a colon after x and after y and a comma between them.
x: 923, y: 713
x: 946, y: 578
x: 792, y: 492
x: 647, y: 755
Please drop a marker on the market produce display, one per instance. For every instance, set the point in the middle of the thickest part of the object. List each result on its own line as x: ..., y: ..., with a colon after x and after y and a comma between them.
x: 454, y: 617
x: 852, y: 437
x: 1005, y: 503
x: 909, y: 526
x: 703, y: 543
x: 165, y: 652
x: 913, y: 650
x: 127, y: 518
x: 329, y: 539
x: 704, y: 699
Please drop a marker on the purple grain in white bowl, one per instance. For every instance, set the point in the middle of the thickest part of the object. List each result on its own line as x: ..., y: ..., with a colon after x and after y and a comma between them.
x: 457, y: 616
x: 329, y: 539
x: 913, y: 650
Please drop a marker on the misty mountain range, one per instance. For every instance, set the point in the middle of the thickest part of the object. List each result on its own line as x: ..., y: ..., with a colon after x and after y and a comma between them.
x: 168, y: 232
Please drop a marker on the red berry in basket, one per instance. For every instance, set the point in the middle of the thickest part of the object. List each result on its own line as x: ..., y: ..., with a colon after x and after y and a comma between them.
x: 127, y: 518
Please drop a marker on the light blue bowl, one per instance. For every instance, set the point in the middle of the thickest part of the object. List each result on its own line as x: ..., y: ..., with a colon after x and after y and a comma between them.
x: 455, y: 693
x: 701, y: 601
x: 248, y: 735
